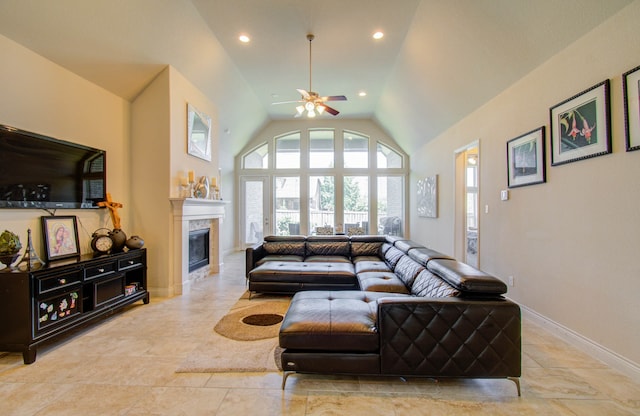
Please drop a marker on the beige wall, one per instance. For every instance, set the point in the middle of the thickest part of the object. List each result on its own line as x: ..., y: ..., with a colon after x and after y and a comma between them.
x: 569, y: 243
x: 40, y: 96
x: 159, y: 131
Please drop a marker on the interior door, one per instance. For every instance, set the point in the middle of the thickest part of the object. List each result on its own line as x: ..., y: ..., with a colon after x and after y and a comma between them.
x: 254, y: 223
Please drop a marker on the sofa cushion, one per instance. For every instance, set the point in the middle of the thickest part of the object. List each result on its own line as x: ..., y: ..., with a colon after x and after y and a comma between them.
x: 381, y: 282
x: 371, y: 266
x: 295, y: 248
x: 407, y: 270
x: 467, y: 279
x: 392, y: 256
x: 332, y: 321
x: 327, y: 259
x: 429, y: 285
x: 279, y: 257
x: 303, y: 272
x: 365, y: 248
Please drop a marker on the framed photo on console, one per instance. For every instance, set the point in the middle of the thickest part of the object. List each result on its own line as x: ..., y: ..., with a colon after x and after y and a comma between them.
x: 60, y: 234
x: 631, y: 89
x: 581, y: 126
x: 526, y: 159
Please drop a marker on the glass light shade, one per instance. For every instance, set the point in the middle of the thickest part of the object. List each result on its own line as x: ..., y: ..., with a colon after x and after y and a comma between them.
x: 320, y: 109
x: 300, y: 109
x: 309, y: 106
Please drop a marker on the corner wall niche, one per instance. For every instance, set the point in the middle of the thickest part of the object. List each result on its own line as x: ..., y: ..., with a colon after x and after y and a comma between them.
x: 194, y: 214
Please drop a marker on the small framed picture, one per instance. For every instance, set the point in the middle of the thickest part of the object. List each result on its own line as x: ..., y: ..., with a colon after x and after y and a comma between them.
x: 198, y: 133
x: 526, y: 159
x: 631, y: 89
x: 581, y: 126
x: 60, y: 235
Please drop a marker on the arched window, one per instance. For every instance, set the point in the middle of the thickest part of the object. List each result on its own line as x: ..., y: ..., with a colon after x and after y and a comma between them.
x: 328, y: 180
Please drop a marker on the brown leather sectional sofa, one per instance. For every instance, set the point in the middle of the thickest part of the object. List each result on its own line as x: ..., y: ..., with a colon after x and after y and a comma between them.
x: 376, y: 305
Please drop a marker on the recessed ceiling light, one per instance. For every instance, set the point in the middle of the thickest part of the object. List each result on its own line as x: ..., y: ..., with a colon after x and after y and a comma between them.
x: 244, y: 38
x: 362, y: 93
x: 378, y: 35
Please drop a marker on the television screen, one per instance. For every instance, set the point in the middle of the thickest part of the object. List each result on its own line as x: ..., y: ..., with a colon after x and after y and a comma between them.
x: 42, y: 172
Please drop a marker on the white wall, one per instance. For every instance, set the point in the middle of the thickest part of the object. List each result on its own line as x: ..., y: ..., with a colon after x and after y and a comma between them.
x: 570, y: 243
x: 159, y: 137
x: 40, y: 96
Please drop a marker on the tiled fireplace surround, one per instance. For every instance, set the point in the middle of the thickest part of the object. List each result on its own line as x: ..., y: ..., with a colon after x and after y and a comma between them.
x: 194, y: 214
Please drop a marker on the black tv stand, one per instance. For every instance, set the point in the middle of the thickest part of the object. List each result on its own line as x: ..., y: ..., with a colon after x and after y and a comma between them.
x: 42, y: 304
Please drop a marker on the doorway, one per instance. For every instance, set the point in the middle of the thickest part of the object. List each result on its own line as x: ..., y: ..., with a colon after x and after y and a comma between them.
x: 254, y: 221
x: 467, y: 224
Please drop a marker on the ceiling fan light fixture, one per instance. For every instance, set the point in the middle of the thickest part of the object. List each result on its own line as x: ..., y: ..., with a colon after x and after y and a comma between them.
x: 300, y: 109
x: 320, y: 109
x: 311, y: 113
x: 309, y: 106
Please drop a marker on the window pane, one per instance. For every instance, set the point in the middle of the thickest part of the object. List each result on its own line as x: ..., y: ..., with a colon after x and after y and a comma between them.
x: 390, y: 205
x: 321, y: 148
x: 356, y: 150
x: 253, y: 202
x: 288, y: 151
x: 322, y: 202
x: 258, y: 158
x: 356, y: 203
x: 287, y: 205
x: 388, y: 158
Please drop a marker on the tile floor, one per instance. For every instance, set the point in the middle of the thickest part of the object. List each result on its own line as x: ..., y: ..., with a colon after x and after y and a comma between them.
x: 125, y: 365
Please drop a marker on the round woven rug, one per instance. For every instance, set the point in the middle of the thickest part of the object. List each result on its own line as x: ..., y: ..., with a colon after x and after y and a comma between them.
x: 254, y: 322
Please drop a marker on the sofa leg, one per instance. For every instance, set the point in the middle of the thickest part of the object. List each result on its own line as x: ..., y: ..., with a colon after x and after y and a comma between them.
x: 285, y: 375
x: 517, y: 381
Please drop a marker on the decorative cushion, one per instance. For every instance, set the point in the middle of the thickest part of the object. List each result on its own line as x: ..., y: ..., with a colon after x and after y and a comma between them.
x: 392, y: 256
x: 284, y: 247
x: 407, y: 270
x: 429, y: 285
x: 371, y: 248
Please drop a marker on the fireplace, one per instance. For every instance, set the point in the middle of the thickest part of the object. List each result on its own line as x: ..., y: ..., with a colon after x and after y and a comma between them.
x: 191, y: 214
x: 198, y: 249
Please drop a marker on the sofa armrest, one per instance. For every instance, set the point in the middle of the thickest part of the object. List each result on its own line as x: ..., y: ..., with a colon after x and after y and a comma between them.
x: 450, y: 337
x: 252, y: 255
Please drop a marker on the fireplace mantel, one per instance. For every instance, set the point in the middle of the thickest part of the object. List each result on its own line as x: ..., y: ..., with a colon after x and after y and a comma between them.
x: 185, y: 210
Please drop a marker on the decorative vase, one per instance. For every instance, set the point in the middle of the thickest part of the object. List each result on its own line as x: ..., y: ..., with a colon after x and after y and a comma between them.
x: 8, y: 259
x: 119, y: 239
x: 135, y: 242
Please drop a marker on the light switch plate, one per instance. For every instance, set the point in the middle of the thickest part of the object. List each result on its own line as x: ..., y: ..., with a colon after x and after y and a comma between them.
x: 504, y: 195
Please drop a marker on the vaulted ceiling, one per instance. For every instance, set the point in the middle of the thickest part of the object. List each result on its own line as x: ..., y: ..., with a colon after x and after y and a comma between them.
x: 438, y: 59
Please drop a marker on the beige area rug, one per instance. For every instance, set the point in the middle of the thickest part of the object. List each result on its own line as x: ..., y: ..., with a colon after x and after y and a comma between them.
x: 234, y: 347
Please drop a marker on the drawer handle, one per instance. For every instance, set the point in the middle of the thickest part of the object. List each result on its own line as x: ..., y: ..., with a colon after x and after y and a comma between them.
x: 62, y: 281
x: 101, y: 270
x: 130, y: 261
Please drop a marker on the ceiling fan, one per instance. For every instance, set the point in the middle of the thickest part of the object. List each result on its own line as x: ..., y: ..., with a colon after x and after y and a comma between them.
x: 310, y: 101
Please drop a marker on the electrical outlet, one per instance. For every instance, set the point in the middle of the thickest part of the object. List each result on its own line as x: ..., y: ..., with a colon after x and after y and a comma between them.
x: 511, y: 282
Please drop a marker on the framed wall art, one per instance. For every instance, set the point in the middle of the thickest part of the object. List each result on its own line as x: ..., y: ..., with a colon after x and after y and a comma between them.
x: 60, y: 234
x: 526, y: 159
x: 428, y: 197
x: 198, y: 133
x: 581, y: 126
x: 631, y: 89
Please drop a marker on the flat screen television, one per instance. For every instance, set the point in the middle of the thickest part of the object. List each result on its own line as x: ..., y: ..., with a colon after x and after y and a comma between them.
x: 37, y: 171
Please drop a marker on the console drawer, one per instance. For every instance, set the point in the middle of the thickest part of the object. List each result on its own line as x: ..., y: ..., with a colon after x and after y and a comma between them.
x: 130, y: 262
x: 99, y: 270
x: 50, y: 282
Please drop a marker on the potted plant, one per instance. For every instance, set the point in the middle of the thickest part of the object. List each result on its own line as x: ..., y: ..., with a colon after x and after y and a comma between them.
x: 9, y: 247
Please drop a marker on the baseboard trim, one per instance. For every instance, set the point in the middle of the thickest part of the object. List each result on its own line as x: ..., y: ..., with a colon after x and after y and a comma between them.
x: 609, y: 357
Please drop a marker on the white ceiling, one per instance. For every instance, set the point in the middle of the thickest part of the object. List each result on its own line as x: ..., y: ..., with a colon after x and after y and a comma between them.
x: 439, y: 59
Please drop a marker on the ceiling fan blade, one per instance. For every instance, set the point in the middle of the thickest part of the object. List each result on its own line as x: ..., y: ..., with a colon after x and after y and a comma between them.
x: 334, y: 98
x: 287, y: 102
x: 330, y: 110
x: 304, y: 94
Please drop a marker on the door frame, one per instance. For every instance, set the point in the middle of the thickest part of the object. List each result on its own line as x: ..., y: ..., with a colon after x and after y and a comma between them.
x: 460, y: 204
